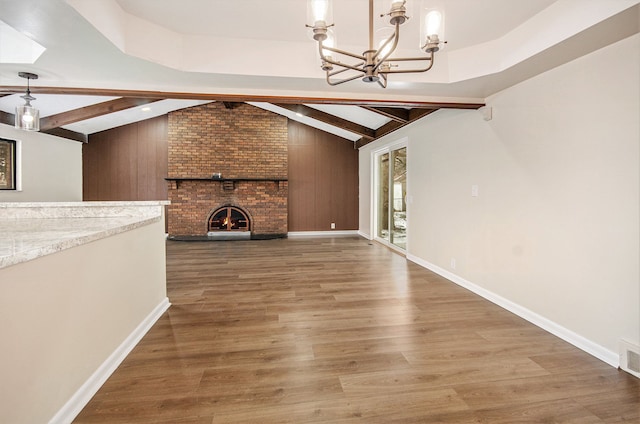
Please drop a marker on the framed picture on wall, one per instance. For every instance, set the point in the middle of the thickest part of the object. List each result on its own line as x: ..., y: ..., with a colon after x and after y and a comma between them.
x: 7, y: 164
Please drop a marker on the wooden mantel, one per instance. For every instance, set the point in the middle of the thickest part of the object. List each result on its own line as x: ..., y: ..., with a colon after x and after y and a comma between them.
x: 228, y: 183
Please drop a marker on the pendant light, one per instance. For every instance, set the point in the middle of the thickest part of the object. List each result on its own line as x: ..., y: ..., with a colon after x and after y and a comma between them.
x: 27, y: 116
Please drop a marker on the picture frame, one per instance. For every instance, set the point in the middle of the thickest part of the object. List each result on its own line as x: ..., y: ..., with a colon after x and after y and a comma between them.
x: 7, y: 164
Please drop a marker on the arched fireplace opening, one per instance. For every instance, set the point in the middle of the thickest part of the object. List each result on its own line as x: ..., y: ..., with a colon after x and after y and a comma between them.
x: 228, y: 220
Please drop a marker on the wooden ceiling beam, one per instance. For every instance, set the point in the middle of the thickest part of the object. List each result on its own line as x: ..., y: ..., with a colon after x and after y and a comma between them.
x: 365, y: 132
x: 400, y: 112
x: 68, y: 134
x: 231, y: 105
x: 88, y: 112
x: 418, y: 113
x: 396, y: 114
x: 7, y: 118
x: 10, y: 119
x: 391, y: 126
x: 388, y: 128
x: 238, y: 97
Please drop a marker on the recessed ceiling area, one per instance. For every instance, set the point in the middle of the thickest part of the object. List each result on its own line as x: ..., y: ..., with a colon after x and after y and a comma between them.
x: 269, y: 39
x: 103, y: 60
x: 468, y: 22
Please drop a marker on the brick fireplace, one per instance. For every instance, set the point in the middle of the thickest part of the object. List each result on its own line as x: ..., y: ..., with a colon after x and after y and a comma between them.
x: 247, y: 146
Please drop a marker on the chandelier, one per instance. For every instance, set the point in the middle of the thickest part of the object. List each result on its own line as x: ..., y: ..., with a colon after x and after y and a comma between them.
x: 373, y: 65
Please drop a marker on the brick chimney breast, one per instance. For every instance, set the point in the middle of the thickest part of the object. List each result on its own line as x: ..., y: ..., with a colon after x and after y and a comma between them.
x: 245, y: 144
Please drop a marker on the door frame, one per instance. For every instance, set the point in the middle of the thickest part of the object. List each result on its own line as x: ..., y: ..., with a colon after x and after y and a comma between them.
x: 375, y: 154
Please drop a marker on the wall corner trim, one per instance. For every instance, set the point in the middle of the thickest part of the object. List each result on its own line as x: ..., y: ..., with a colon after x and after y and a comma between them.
x: 590, y: 347
x: 365, y: 235
x: 83, y: 395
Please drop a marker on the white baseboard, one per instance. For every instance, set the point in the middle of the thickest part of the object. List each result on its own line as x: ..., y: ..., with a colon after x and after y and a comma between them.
x: 83, y: 395
x: 594, y: 349
x: 330, y: 233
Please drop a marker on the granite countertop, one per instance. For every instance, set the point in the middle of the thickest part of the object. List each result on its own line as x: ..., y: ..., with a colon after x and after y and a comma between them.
x: 25, y: 234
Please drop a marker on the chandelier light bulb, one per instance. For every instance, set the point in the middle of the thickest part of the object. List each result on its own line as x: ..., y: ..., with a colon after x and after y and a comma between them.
x: 433, y: 23
x: 432, y: 30
x: 320, y: 12
x: 397, y: 5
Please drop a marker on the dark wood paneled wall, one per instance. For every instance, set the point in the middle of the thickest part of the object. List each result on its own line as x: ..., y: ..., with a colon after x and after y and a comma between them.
x: 131, y: 162
x: 127, y: 163
x: 323, y: 180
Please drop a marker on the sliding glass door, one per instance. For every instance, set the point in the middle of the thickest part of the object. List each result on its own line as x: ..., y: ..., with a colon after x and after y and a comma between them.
x: 382, y: 207
x: 398, y: 204
x: 390, y: 198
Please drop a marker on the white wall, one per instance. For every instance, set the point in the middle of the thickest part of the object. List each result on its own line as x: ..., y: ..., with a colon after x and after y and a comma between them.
x: 51, y: 168
x: 365, y: 194
x: 555, y: 231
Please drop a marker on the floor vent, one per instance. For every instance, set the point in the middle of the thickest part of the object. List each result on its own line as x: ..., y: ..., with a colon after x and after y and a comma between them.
x: 630, y: 358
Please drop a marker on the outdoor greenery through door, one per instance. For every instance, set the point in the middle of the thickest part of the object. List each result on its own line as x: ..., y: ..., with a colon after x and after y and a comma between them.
x: 391, y: 186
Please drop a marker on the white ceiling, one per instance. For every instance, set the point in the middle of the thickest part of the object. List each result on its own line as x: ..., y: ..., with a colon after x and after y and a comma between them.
x: 257, y: 47
x: 287, y: 17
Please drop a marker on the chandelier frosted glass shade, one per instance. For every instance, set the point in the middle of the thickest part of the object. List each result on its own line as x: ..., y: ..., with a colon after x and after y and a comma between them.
x: 432, y: 28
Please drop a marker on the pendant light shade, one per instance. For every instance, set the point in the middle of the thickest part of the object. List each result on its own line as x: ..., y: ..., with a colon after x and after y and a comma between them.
x: 27, y: 116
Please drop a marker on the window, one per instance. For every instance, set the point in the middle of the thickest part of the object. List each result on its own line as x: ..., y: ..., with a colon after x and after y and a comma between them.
x: 7, y: 164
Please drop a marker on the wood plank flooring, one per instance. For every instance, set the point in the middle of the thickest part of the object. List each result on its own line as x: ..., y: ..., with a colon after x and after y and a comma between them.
x: 342, y: 330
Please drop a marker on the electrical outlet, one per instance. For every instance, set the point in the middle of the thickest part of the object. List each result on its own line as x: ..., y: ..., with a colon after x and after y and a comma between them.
x: 453, y: 263
x: 333, y: 225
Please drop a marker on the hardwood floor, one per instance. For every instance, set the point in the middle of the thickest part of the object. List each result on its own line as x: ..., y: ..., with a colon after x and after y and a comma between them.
x: 345, y: 331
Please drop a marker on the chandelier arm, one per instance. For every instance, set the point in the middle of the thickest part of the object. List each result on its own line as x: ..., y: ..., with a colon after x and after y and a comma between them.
x: 345, y: 69
x: 333, y: 49
x: 341, y: 81
x: 406, y: 71
x: 396, y: 38
x: 357, y: 67
x: 370, y: 24
x: 383, y: 78
x: 410, y: 59
x: 409, y: 71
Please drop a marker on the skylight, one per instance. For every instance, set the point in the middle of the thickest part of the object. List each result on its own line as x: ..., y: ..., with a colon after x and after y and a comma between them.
x: 17, y: 47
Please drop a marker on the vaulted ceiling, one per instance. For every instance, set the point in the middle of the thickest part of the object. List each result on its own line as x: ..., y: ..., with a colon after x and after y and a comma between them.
x: 358, y: 121
x: 105, y: 63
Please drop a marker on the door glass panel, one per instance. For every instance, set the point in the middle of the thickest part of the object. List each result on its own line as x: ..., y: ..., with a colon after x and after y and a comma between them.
x: 238, y: 220
x: 219, y: 220
x: 398, y: 196
x: 383, y: 196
